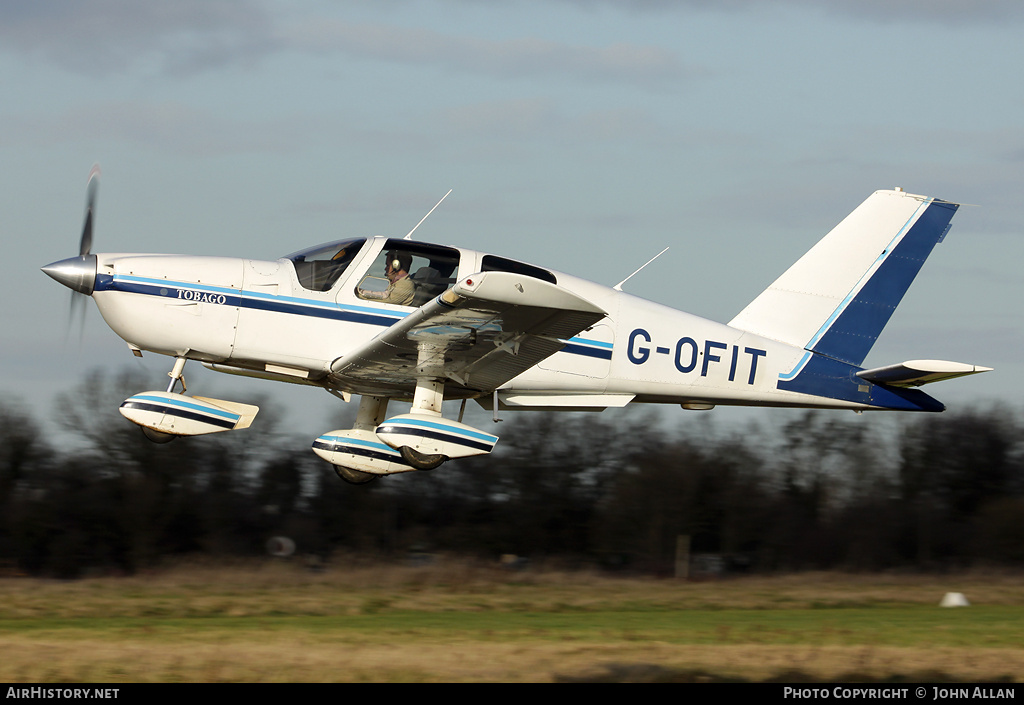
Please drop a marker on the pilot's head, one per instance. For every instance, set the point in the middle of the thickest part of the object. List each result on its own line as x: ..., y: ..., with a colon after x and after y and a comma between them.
x: 398, y: 262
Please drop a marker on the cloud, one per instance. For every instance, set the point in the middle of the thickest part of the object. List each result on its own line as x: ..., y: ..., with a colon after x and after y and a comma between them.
x: 510, y: 58
x: 105, y: 36
x: 164, y: 126
x: 950, y: 12
x: 517, y: 123
x: 188, y: 36
x: 108, y: 36
x: 513, y: 118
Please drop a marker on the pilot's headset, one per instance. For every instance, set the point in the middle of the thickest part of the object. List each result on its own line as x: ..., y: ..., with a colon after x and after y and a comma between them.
x: 399, y: 261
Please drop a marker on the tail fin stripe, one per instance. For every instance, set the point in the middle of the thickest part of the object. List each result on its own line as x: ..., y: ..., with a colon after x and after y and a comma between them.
x: 860, y: 285
x: 851, y: 331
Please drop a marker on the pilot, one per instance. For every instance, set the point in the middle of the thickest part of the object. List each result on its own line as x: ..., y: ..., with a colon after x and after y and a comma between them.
x: 400, y: 288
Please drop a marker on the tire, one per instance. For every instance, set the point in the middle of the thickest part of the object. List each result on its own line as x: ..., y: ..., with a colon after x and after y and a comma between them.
x: 421, y: 461
x: 354, y: 477
x: 157, y: 436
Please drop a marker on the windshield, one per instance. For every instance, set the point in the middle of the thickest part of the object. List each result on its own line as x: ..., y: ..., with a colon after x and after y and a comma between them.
x: 318, y: 268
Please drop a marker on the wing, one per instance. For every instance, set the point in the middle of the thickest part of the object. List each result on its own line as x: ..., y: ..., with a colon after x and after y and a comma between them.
x: 485, y: 330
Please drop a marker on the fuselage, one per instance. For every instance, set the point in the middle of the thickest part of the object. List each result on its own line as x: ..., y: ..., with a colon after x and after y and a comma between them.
x: 291, y: 318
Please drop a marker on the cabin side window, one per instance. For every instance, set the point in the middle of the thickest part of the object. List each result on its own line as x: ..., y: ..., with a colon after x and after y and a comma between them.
x: 409, y: 273
x: 320, y: 267
x: 493, y: 263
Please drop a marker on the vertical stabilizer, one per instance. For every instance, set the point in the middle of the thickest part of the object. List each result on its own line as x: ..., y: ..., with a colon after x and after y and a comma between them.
x: 837, y: 298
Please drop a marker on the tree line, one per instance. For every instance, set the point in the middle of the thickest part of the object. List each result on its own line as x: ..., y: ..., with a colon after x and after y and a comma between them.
x: 820, y: 490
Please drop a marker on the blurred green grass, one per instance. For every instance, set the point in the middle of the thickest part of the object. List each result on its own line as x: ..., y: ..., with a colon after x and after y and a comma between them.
x: 459, y: 621
x: 987, y: 627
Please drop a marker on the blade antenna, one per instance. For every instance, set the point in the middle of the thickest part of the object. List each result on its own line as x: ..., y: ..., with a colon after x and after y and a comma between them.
x: 618, y: 287
x: 409, y: 236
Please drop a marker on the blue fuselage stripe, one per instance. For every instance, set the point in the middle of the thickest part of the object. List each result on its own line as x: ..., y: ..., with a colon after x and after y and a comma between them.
x: 243, y: 299
x: 186, y: 293
x: 587, y: 352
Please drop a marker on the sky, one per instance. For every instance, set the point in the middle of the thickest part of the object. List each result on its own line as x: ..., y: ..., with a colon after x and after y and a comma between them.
x: 581, y: 135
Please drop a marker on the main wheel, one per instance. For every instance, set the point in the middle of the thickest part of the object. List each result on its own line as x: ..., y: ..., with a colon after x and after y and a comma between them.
x: 354, y: 477
x: 421, y: 461
x: 157, y: 436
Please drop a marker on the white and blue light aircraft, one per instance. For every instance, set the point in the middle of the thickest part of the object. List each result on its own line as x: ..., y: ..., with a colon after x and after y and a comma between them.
x: 393, y: 319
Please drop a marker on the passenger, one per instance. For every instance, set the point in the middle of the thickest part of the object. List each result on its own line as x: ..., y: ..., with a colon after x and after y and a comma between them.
x: 400, y: 289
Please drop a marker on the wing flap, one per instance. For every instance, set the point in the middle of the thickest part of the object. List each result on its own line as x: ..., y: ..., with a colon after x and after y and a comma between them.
x: 915, y: 373
x: 485, y: 330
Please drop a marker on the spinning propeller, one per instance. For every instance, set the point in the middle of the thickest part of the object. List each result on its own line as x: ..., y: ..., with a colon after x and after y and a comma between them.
x: 85, y: 244
x: 79, y: 273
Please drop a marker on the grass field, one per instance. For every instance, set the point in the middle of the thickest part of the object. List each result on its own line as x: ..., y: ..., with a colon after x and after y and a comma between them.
x: 456, y: 621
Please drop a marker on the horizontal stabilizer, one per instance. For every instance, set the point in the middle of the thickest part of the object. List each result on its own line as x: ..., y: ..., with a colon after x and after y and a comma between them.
x: 914, y: 373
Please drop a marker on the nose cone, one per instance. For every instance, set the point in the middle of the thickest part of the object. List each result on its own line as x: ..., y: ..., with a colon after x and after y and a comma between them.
x: 76, y: 273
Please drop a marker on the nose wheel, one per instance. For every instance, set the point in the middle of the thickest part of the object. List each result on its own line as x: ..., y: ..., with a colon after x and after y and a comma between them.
x: 176, y: 376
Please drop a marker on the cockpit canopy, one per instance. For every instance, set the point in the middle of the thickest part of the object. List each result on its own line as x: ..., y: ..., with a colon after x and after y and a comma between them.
x: 403, y: 272
x: 427, y: 270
